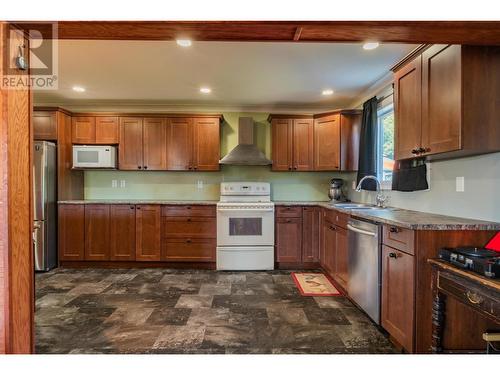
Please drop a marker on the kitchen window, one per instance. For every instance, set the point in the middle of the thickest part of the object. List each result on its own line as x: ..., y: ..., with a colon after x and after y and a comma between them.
x: 385, y: 143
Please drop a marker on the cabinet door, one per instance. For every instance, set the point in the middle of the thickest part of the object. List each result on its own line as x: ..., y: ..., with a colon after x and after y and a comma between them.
x: 329, y: 243
x: 408, y: 109
x: 179, y: 144
x: 44, y: 126
x: 148, y: 236
x: 83, y: 130
x: 341, y: 270
x: 71, y: 233
x: 154, y: 144
x: 122, y: 232
x: 441, y: 99
x: 97, y: 226
x: 282, y: 139
x: 310, y: 234
x: 303, y: 140
x: 289, y: 240
x: 398, y: 295
x: 130, y: 151
x: 327, y: 143
x: 107, y: 130
x: 206, y: 144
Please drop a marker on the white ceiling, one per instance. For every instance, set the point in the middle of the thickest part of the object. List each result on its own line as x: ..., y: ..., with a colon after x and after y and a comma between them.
x: 242, y: 75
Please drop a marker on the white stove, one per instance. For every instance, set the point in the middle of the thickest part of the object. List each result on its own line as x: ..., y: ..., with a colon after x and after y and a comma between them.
x: 245, y: 227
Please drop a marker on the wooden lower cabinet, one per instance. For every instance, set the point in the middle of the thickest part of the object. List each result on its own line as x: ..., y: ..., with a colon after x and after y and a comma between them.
x: 311, y: 217
x: 398, y: 298
x: 289, y: 239
x: 148, y: 237
x: 329, y: 247
x: 189, y: 227
x: 341, y: 274
x: 122, y: 232
x: 71, y: 233
x: 97, y: 225
x: 188, y: 250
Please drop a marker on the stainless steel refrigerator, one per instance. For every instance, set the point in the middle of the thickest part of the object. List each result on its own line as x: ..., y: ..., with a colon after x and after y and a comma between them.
x: 45, y: 205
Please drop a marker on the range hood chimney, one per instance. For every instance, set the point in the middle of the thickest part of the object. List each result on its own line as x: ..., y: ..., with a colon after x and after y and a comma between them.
x: 246, y: 153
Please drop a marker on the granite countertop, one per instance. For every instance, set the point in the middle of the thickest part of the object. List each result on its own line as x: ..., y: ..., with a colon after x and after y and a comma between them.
x: 414, y: 220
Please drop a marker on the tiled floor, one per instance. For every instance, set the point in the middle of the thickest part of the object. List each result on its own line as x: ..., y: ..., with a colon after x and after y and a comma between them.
x: 186, y: 311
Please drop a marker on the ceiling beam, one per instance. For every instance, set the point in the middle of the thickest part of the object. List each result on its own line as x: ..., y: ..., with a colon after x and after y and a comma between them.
x: 414, y: 32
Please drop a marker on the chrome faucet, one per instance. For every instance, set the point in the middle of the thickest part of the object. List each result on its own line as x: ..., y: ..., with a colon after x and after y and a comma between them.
x: 380, y: 199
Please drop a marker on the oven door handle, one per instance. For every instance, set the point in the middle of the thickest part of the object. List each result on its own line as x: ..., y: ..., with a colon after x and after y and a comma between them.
x: 245, y: 209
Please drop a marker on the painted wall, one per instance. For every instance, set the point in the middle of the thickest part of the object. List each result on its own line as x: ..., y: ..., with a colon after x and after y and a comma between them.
x: 480, y: 200
x: 184, y: 185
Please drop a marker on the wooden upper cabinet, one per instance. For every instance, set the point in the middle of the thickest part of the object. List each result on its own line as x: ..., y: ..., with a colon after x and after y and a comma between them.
x: 180, y: 143
x: 206, y: 144
x: 71, y: 232
x: 130, y: 152
x: 441, y: 99
x: 97, y: 225
x: 107, y: 130
x: 398, y: 295
x: 327, y: 143
x: 83, y: 130
x: 303, y: 144
x: 45, y: 126
x: 408, y: 109
x: 122, y: 232
x: 148, y: 233
x: 282, y: 140
x: 289, y: 239
x: 154, y: 144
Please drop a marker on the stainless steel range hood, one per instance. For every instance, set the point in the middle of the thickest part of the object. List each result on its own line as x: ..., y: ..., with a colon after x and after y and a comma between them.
x: 246, y: 153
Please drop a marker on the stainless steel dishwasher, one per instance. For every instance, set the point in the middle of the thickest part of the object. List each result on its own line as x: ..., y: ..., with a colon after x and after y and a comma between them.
x: 364, y: 260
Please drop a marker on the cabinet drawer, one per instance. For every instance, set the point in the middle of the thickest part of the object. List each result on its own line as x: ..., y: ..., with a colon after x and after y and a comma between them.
x: 399, y: 238
x: 189, y: 227
x: 335, y: 217
x: 188, y: 250
x: 469, y: 295
x: 288, y: 211
x: 194, y: 210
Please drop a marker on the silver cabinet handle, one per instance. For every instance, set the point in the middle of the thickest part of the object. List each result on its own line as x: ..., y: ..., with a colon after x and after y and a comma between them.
x: 361, y: 231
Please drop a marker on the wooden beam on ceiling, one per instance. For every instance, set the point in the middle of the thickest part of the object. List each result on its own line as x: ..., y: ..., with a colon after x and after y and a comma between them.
x: 414, y: 32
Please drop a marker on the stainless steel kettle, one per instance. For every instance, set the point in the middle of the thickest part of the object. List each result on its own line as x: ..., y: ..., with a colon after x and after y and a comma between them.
x: 335, y: 192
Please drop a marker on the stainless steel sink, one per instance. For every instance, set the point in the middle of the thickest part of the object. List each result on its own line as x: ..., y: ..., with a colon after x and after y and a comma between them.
x: 357, y: 206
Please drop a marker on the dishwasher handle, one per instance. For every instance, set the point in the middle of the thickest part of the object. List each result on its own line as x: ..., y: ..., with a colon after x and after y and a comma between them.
x: 361, y: 231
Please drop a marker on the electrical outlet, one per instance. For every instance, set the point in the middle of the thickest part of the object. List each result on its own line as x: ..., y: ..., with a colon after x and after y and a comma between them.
x: 114, y: 183
x: 354, y: 185
x: 200, y: 184
x: 122, y: 183
x: 460, y: 184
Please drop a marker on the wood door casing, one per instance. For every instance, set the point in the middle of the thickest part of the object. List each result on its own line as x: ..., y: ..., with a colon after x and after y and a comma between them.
x: 122, y: 232
x: 310, y: 234
x: 282, y: 140
x: 154, y: 144
x: 44, y: 126
x: 206, y: 144
x: 130, y: 150
x: 97, y: 234
x: 408, y: 109
x: 71, y: 231
x: 180, y: 143
x: 289, y: 240
x: 83, y: 130
x: 107, y: 130
x: 441, y: 99
x: 398, y: 295
x: 303, y: 140
x: 148, y: 232
x: 327, y: 143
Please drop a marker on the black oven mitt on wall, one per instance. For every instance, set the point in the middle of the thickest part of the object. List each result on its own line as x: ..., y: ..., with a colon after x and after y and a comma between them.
x: 410, y: 175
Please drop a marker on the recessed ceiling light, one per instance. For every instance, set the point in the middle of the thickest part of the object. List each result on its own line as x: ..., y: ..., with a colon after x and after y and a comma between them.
x: 78, y: 88
x: 370, y: 45
x: 205, y: 90
x: 327, y: 92
x: 184, y: 42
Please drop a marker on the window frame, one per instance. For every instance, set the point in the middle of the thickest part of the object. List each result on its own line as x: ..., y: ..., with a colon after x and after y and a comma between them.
x: 381, y: 112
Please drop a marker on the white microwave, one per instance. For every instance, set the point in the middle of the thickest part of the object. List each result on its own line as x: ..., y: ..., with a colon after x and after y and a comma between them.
x: 94, y: 157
